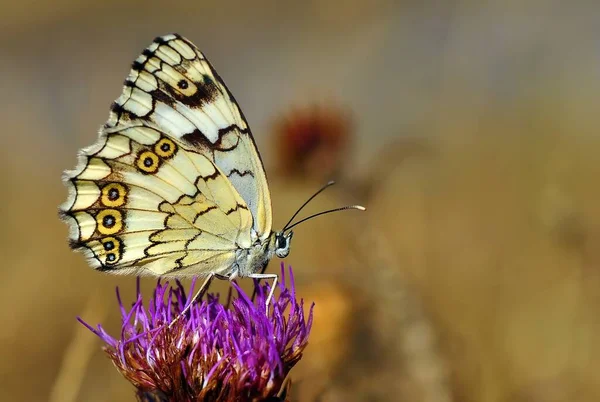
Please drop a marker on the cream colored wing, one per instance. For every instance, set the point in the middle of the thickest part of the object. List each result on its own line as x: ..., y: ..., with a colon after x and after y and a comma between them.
x: 140, y: 202
x: 172, y: 86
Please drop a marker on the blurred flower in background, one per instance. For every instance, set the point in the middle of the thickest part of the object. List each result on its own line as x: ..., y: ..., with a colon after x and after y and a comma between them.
x: 232, y: 351
x: 313, y: 141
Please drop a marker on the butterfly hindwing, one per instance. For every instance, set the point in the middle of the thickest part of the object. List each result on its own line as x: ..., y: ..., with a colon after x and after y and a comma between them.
x: 139, y: 202
x: 173, y: 86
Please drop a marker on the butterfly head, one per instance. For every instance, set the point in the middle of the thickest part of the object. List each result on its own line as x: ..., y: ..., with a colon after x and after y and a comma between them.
x: 282, y: 243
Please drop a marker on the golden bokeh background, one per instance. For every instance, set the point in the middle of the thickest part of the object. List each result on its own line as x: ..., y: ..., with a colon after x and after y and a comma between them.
x: 472, y: 139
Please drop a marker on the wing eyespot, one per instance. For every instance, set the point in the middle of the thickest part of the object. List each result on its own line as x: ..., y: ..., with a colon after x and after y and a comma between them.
x: 113, y: 248
x: 109, y: 243
x: 165, y: 148
x: 148, y: 162
x: 113, y: 195
x: 109, y: 221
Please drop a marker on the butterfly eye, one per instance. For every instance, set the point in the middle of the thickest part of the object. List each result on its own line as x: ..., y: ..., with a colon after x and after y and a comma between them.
x: 113, y: 195
x: 282, y: 248
x: 148, y: 162
x: 165, y: 148
x: 281, y: 243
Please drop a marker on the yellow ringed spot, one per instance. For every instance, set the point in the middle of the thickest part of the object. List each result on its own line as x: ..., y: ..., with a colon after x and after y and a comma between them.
x: 109, y: 221
x: 110, y: 243
x: 165, y: 148
x: 148, y: 162
x: 112, y: 246
x: 111, y: 258
x: 113, y: 195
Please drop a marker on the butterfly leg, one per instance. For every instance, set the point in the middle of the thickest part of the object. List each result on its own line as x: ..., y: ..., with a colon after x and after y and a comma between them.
x: 275, y: 278
x: 197, y: 297
x: 255, y: 291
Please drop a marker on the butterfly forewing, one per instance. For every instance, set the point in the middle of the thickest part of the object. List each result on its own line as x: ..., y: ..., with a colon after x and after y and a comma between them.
x: 174, y: 87
x: 174, y: 184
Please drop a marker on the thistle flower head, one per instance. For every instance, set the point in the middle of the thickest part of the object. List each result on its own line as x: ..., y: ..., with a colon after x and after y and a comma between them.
x: 232, y: 351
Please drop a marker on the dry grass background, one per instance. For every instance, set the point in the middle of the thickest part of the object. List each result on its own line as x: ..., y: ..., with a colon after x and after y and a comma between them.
x: 472, y: 277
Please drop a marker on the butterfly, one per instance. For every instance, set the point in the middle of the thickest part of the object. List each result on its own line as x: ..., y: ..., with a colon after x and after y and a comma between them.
x: 175, y: 186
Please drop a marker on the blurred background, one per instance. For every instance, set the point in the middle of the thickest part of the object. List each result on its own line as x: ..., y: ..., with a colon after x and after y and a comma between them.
x: 468, y: 129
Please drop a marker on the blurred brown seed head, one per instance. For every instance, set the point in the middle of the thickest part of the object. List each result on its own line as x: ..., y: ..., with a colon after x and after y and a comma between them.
x: 311, y: 141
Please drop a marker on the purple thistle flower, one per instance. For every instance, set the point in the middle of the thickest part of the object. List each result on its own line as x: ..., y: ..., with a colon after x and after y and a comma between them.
x: 215, y: 352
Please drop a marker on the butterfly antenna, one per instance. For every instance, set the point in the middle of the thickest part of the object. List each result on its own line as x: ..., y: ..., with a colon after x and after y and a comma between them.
x: 330, y: 183
x: 357, y: 207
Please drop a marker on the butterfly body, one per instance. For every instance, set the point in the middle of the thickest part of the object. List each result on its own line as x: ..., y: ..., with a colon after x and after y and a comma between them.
x: 255, y: 259
x: 174, y: 185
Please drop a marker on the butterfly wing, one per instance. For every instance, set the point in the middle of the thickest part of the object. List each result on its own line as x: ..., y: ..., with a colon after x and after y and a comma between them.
x: 174, y: 184
x: 141, y: 203
x: 173, y: 86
